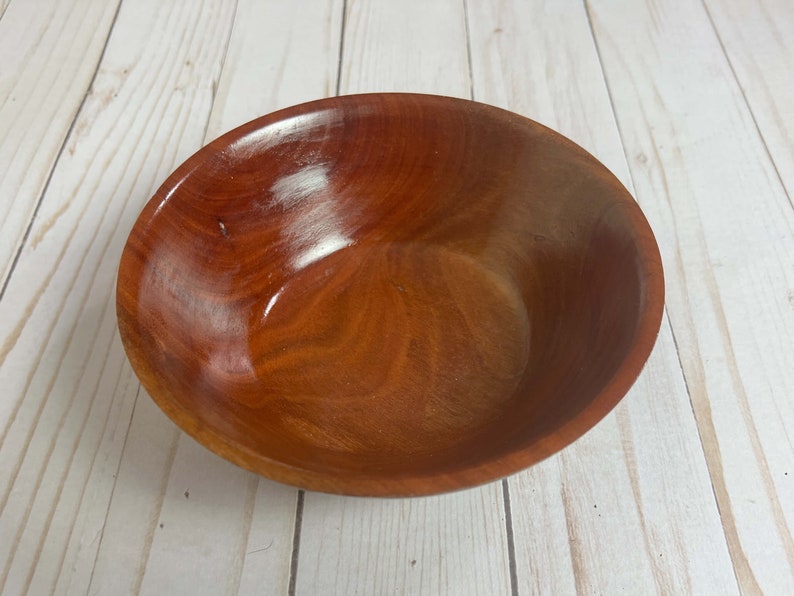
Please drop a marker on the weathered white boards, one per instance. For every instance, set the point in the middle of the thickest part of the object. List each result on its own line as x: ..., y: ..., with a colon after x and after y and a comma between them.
x: 687, y: 487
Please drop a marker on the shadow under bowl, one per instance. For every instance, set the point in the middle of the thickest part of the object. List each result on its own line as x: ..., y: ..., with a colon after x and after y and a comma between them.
x: 389, y: 294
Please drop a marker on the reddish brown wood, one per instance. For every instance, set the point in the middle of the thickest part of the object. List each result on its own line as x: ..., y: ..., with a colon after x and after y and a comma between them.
x: 389, y: 294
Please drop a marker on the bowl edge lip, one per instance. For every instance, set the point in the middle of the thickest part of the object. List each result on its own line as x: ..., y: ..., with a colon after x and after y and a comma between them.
x: 467, y: 476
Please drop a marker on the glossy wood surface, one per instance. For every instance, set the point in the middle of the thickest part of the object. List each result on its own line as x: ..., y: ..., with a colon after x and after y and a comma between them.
x: 389, y: 294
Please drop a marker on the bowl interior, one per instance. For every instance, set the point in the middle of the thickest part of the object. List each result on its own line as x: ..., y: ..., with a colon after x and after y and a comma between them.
x: 389, y: 294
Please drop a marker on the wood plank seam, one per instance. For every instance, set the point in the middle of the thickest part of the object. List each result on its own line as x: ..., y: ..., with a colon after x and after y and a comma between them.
x: 574, y: 542
x: 742, y: 570
x: 141, y: 571
x: 511, y: 547
x: 469, y: 60
x: 661, y: 577
x: 4, y: 9
x: 32, y: 430
x: 24, y: 162
x: 731, y: 534
x: 248, y: 517
x: 732, y: 537
x: 220, y: 71
x: 296, y: 543
x: 747, y: 103
x: 707, y: 434
x: 65, y: 472
x: 115, y: 480
x: 66, y: 138
x: 341, y: 48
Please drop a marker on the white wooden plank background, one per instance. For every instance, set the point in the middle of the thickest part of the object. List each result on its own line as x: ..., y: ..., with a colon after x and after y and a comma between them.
x: 705, y: 180
x: 50, y: 52
x: 688, y: 487
x: 757, y: 37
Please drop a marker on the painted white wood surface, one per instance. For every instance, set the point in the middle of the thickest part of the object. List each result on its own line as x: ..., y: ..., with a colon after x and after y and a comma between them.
x: 67, y: 388
x: 686, y: 488
x: 629, y: 506
x: 49, y: 52
x: 758, y: 37
x: 726, y: 230
x: 450, y: 544
x: 411, y: 45
x: 280, y: 54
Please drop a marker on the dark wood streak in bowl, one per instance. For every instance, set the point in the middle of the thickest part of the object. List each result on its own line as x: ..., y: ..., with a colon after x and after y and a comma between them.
x: 389, y: 294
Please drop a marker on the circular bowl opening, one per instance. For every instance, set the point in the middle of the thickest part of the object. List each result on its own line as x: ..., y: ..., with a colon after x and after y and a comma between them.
x: 389, y: 294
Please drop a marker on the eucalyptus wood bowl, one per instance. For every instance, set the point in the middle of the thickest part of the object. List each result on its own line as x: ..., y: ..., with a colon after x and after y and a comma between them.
x: 389, y: 294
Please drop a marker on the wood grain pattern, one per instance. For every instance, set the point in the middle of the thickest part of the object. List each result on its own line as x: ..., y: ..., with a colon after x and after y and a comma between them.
x: 519, y: 281
x: 49, y: 57
x: 695, y: 152
x: 68, y: 391
x: 758, y: 38
x: 246, y: 506
x: 628, y: 506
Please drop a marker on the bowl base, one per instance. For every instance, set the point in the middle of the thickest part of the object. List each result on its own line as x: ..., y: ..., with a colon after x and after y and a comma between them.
x: 391, y: 348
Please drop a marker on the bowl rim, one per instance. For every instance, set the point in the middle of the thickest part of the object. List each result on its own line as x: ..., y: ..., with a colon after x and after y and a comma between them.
x: 467, y: 475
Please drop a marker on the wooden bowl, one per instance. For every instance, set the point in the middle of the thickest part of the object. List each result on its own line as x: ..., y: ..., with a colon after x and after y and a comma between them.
x: 389, y: 294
